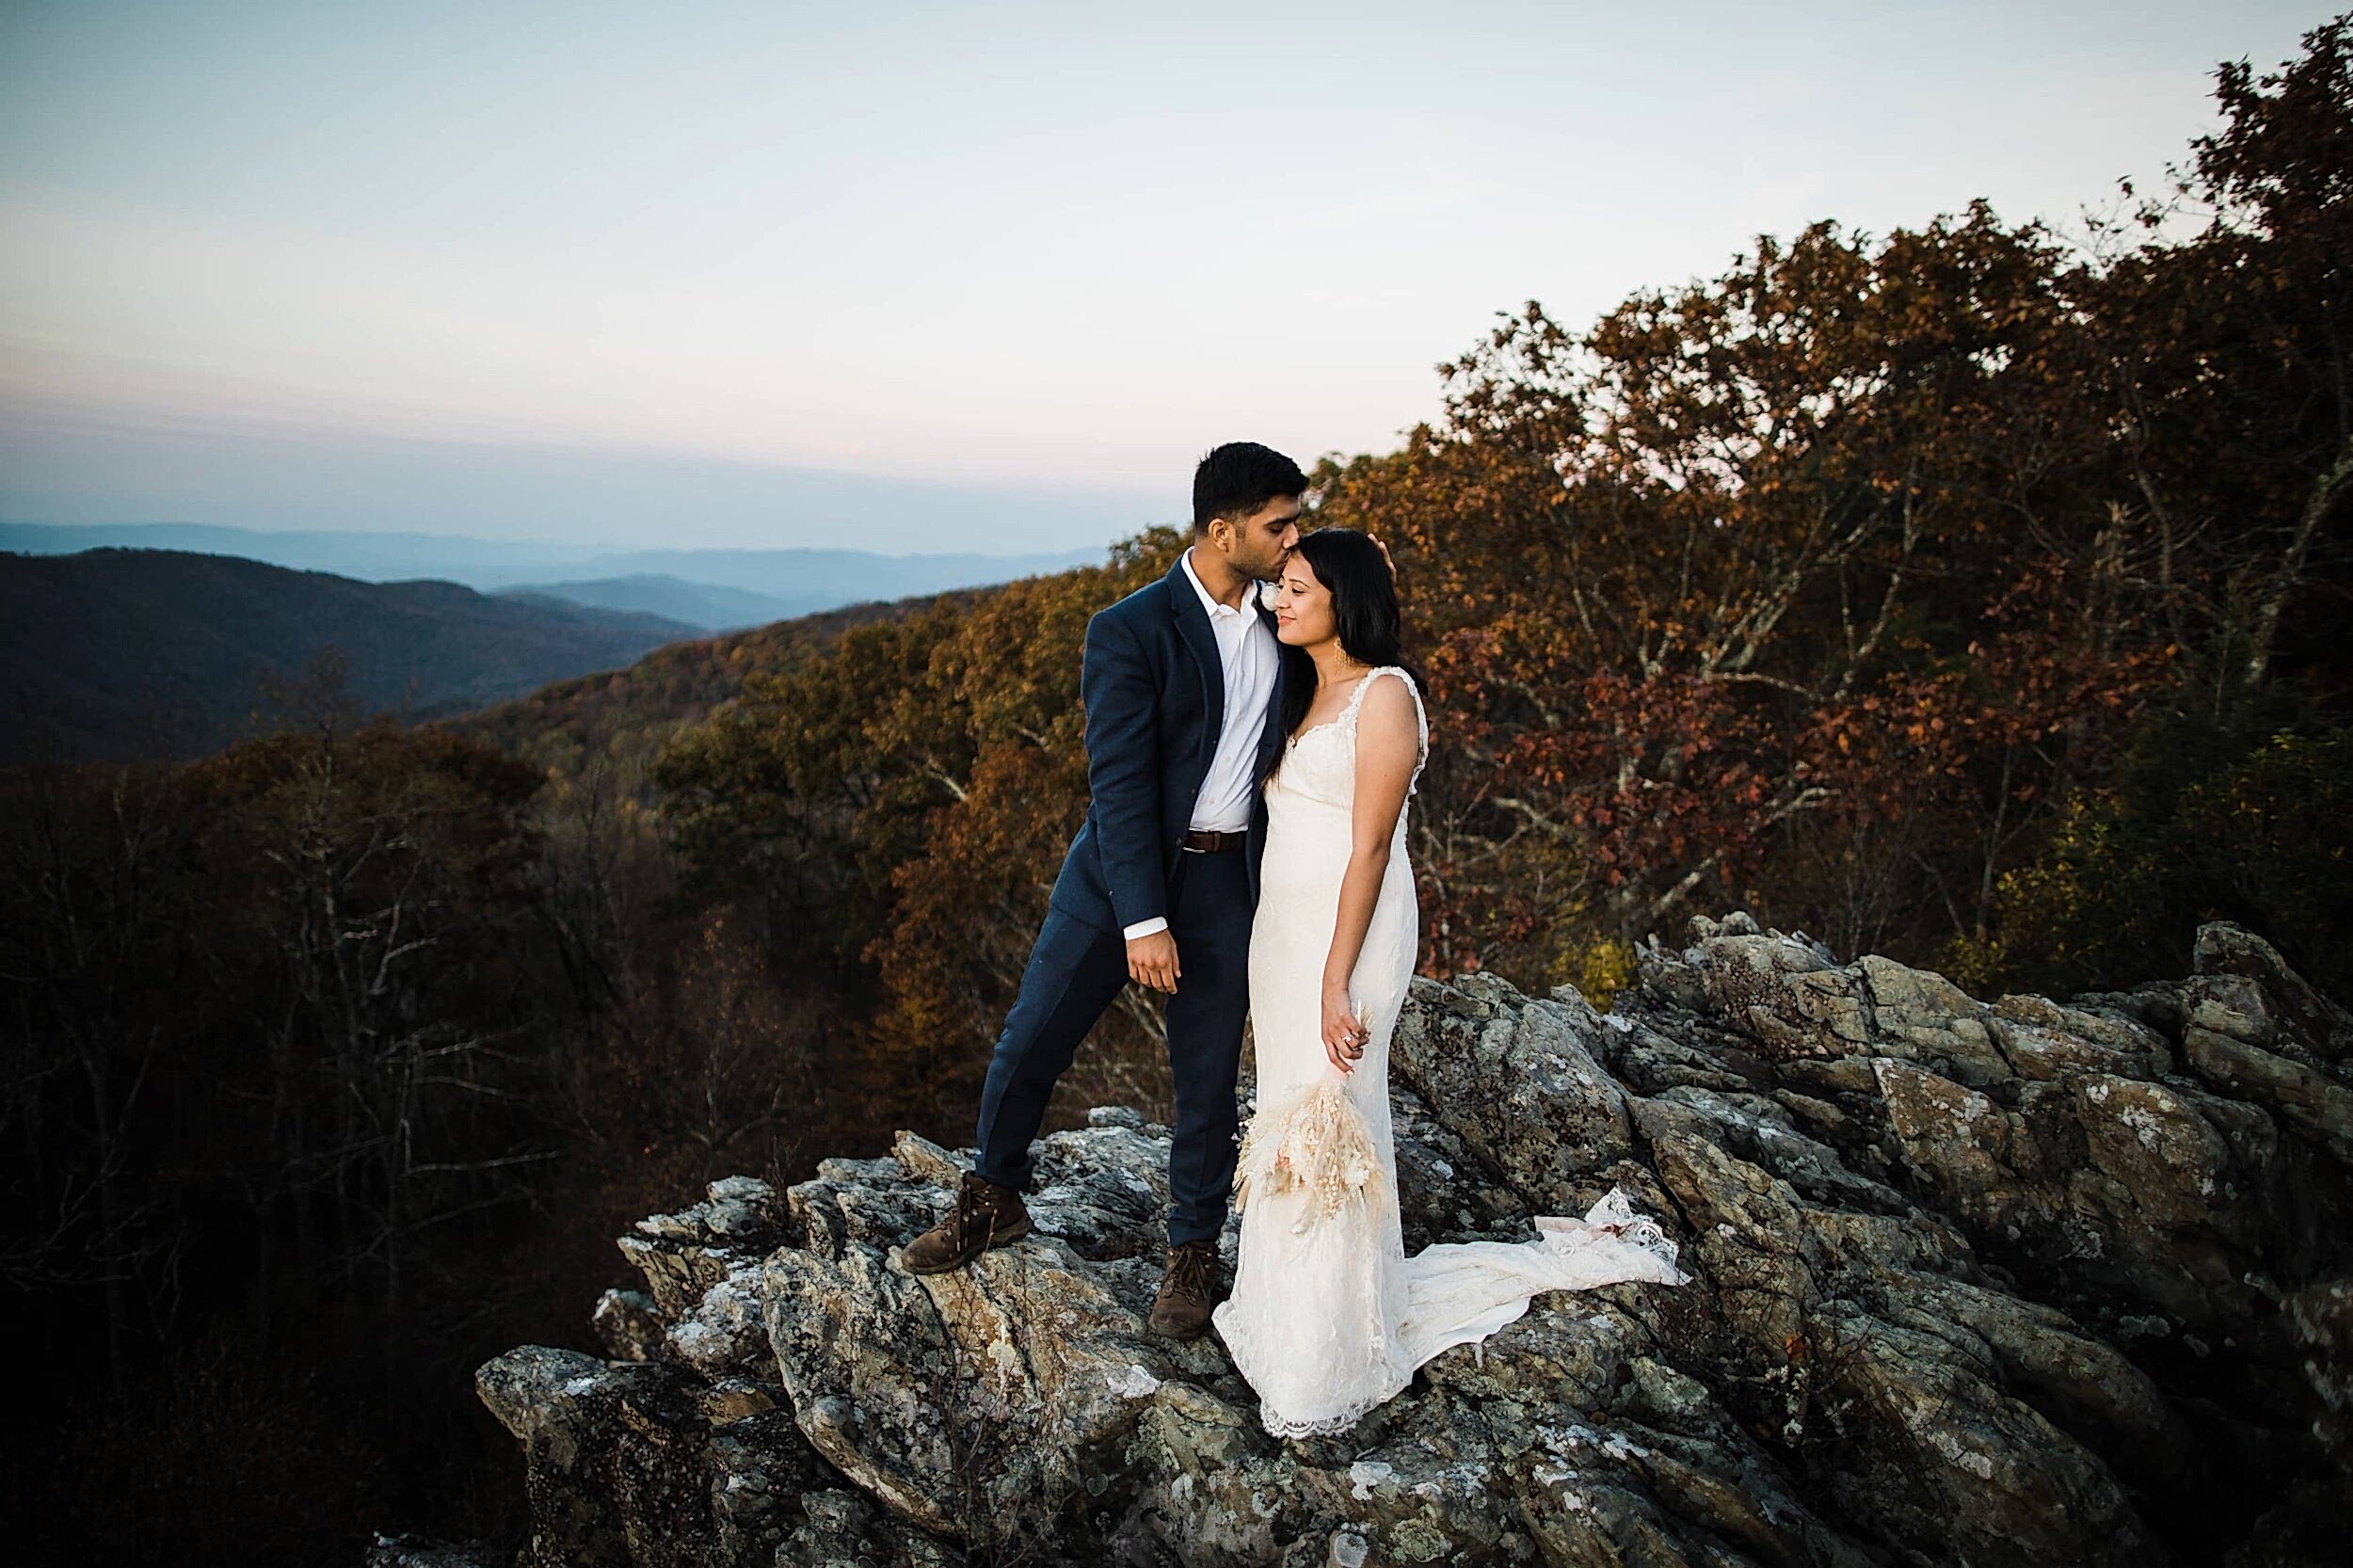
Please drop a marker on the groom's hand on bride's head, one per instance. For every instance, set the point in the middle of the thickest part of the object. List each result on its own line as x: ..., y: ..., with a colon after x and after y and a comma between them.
x: 1152, y: 961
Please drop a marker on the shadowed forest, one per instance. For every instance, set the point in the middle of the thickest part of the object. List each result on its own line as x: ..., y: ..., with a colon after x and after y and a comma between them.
x: 1974, y: 594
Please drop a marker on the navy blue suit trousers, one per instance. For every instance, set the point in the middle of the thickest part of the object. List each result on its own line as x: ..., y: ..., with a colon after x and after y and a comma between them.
x: 1075, y: 970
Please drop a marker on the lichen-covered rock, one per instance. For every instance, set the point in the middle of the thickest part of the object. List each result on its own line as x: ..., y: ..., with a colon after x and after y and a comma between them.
x: 2012, y: 1282
x: 684, y: 1254
x: 628, y: 1324
x: 419, y: 1551
x: 613, y: 1452
x: 844, y: 1529
x: 1517, y: 1083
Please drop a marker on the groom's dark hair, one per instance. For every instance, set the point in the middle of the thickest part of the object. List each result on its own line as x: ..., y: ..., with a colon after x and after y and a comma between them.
x: 1240, y: 477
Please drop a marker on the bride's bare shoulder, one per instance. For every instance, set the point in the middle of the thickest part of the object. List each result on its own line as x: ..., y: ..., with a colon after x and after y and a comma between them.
x: 1389, y: 712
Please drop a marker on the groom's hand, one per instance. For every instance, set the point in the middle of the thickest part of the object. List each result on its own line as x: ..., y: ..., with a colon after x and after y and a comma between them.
x: 1152, y: 961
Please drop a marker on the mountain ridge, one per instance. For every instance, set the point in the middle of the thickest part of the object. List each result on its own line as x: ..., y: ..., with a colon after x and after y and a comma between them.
x: 710, y: 606
x: 797, y: 573
x: 115, y: 653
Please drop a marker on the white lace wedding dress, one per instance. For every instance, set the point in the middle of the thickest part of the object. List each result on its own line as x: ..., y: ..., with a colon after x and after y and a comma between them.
x: 1328, y: 1317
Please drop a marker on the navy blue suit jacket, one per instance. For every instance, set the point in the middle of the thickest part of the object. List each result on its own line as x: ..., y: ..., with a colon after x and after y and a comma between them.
x: 1155, y: 696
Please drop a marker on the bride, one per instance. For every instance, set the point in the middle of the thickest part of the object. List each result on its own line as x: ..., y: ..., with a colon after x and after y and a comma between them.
x: 1327, y: 1317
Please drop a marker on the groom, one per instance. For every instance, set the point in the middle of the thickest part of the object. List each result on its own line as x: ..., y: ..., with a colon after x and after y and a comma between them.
x: 1180, y: 682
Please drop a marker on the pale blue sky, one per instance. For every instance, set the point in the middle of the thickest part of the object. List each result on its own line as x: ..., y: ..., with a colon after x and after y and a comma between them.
x: 398, y: 266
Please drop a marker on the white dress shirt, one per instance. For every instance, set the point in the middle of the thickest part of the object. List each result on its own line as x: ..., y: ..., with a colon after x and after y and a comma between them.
x: 1246, y: 651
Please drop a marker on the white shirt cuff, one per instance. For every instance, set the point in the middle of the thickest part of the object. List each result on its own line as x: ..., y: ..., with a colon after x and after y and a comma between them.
x: 1145, y: 928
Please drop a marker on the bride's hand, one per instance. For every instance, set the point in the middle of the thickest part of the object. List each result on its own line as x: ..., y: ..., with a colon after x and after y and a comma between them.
x: 1344, y: 1032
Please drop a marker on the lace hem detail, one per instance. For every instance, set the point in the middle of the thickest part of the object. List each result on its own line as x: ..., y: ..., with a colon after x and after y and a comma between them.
x: 1614, y: 1214
x: 1319, y: 1144
x: 1277, y: 1425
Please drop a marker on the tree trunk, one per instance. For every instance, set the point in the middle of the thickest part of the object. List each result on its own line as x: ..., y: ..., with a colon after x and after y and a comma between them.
x: 2327, y: 492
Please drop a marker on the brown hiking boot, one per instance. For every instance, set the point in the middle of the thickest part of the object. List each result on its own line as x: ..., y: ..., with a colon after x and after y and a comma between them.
x: 986, y: 1215
x: 1181, y: 1309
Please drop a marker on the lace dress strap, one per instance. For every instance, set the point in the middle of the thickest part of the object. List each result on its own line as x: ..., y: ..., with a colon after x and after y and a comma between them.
x: 1421, y: 717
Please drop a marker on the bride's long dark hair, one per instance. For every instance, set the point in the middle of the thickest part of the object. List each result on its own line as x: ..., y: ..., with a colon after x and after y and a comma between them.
x: 1364, y: 611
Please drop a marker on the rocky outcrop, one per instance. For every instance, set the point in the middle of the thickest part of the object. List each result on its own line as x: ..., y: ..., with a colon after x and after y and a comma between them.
x: 2012, y: 1282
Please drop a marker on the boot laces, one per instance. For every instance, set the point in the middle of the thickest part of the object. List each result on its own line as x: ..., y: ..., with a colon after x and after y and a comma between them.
x: 973, y: 1209
x: 1189, y: 1266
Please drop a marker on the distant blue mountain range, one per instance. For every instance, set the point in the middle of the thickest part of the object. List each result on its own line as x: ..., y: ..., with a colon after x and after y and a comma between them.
x: 706, y: 589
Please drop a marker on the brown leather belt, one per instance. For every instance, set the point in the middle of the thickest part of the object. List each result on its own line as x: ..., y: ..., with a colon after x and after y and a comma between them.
x: 1205, y: 841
